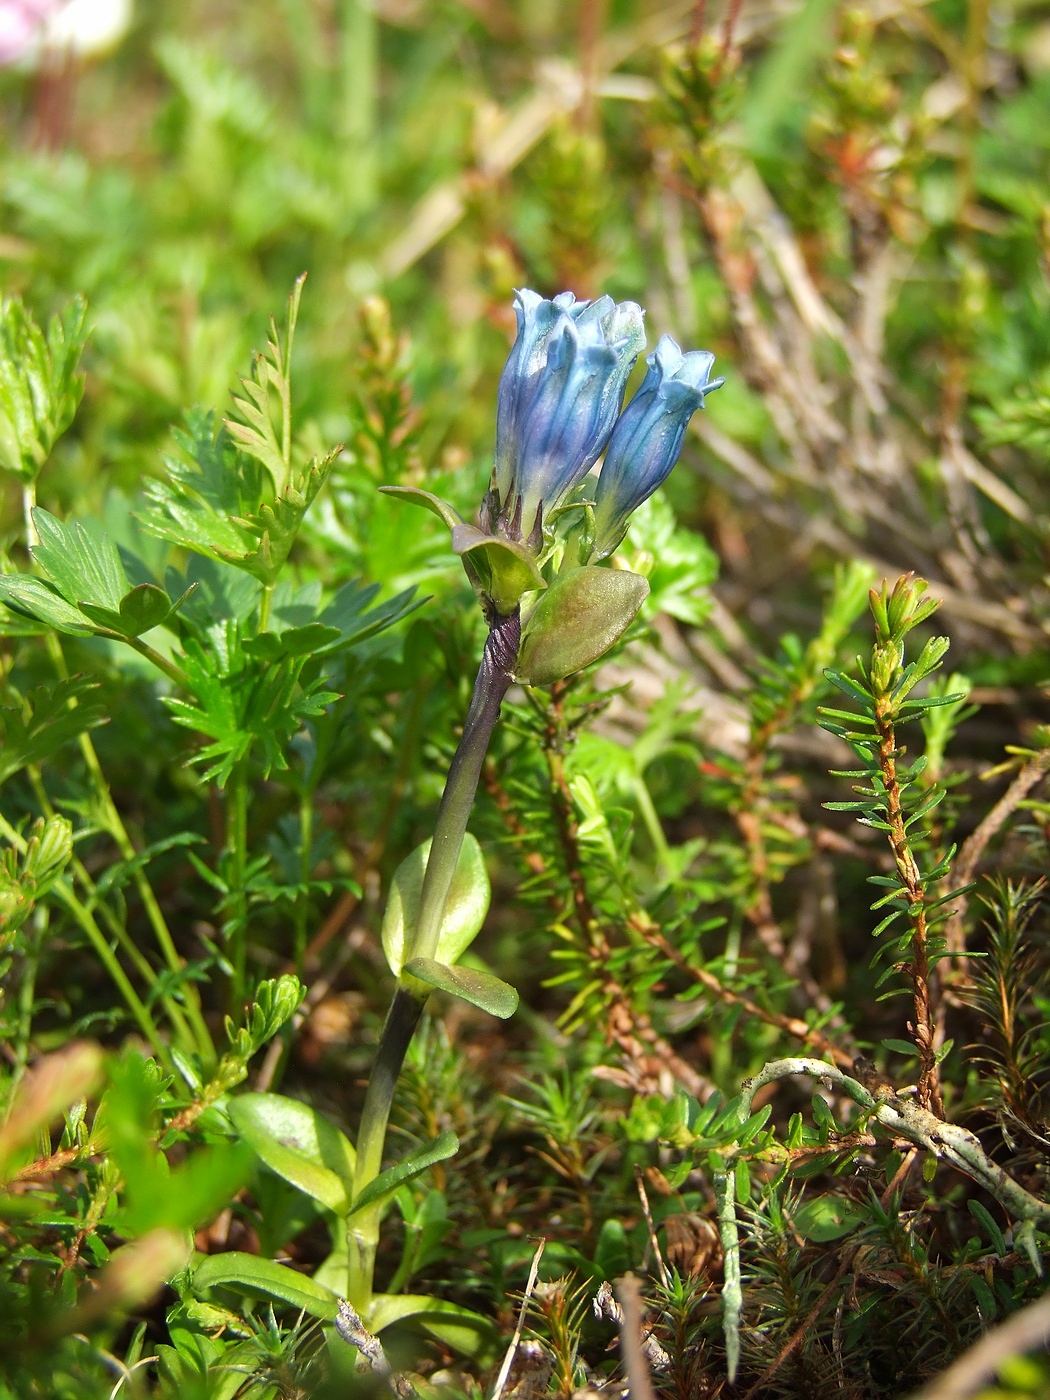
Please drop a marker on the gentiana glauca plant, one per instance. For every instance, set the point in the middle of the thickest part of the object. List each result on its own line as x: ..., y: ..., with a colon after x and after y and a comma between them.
x: 539, y: 562
x: 542, y: 564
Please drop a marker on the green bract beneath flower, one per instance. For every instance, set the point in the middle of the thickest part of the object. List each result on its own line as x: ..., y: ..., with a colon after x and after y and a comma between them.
x: 582, y: 614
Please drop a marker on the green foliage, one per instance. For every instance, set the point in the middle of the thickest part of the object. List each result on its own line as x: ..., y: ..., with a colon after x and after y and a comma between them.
x: 895, y: 800
x: 40, y: 383
x: 86, y: 588
x: 465, y: 908
x: 224, y: 737
x: 25, y: 879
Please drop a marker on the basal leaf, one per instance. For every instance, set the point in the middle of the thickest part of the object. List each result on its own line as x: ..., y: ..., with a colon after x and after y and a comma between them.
x: 297, y: 1143
x: 465, y: 1331
x: 264, y: 1278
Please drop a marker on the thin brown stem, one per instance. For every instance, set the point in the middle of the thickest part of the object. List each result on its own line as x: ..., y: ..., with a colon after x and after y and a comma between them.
x: 791, y: 1025
x: 923, y: 1028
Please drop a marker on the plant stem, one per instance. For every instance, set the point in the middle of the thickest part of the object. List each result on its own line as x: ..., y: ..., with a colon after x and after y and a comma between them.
x: 27, y: 996
x: 28, y: 502
x: 363, y: 1230
x: 653, y: 825
x: 302, y: 903
x: 105, y: 953
x: 922, y: 1029
x: 119, y: 832
x: 357, y: 118
x: 117, y: 828
x: 493, y: 680
x: 237, y: 847
x: 265, y: 600
x: 168, y: 668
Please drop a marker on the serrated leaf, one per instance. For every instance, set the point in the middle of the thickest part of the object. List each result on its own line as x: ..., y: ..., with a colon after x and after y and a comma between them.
x: 297, y: 1143
x: 275, y: 525
x: 35, y: 598
x: 350, y: 614
x: 257, y: 433
x: 445, y: 1145
x: 264, y: 1278
x: 293, y: 641
x: 244, y: 705
x: 47, y: 720
x: 79, y: 565
x: 470, y: 984
x: 40, y: 384
x: 121, y: 872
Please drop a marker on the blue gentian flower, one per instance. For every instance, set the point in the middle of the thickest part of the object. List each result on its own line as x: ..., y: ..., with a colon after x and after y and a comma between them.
x: 648, y: 437
x: 559, y: 397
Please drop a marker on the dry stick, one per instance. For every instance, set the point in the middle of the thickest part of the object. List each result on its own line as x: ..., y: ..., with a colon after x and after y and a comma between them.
x: 508, y: 1360
x: 591, y: 23
x: 639, y: 1383
x: 753, y: 808
x: 973, y: 847
x: 558, y: 93
x: 665, y: 1277
x: 696, y: 29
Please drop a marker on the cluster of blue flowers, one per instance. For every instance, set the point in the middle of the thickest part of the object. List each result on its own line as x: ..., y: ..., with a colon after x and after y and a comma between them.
x: 559, y: 410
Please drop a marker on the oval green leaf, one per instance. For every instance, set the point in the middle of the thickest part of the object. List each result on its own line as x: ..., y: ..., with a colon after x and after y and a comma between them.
x: 826, y: 1218
x: 144, y: 607
x: 481, y: 989
x: 468, y: 903
x: 299, y: 1144
x: 581, y: 615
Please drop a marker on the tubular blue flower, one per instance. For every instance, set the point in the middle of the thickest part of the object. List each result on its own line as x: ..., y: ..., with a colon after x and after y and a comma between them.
x: 559, y: 397
x: 648, y: 437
